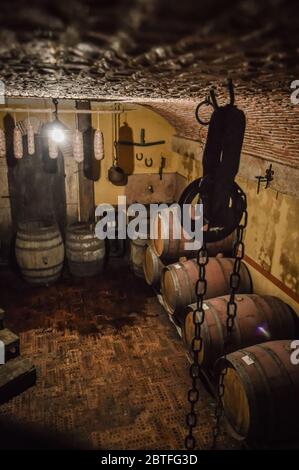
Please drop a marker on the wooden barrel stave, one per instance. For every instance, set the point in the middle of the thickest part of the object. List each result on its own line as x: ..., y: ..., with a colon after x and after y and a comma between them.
x: 152, y: 267
x: 171, y: 249
x: 39, y: 251
x: 85, y: 253
x: 137, y: 255
x: 259, y: 319
x: 178, y: 281
x: 270, y: 384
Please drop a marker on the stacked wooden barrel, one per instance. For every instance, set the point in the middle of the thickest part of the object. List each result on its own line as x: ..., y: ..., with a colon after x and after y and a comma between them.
x: 261, y: 390
x: 165, y: 249
x: 260, y: 318
x: 261, y: 386
x: 179, y: 279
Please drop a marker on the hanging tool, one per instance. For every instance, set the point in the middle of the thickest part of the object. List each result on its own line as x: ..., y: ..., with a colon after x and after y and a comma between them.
x: 116, y: 174
x: 267, y: 178
x: 148, y: 162
x: 162, y: 166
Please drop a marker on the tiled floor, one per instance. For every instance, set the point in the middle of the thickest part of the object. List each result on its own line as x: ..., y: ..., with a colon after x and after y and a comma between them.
x: 112, y: 371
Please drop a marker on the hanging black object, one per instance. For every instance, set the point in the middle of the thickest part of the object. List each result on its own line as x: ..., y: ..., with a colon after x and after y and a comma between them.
x: 91, y: 166
x: 222, y: 198
x: 116, y: 174
x: 126, y: 152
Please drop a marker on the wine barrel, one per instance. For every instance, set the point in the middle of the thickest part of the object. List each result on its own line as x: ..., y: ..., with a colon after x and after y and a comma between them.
x: 260, y: 318
x: 178, y: 281
x: 169, y: 248
x: 137, y: 255
x: 152, y: 267
x: 85, y: 252
x: 39, y: 251
x: 261, y: 390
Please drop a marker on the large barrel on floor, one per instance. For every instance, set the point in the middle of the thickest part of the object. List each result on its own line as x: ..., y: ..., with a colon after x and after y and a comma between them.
x: 39, y: 251
x: 261, y: 390
x: 178, y: 281
x: 260, y: 318
x: 84, y: 251
x: 152, y: 267
x: 137, y: 255
x: 167, y: 247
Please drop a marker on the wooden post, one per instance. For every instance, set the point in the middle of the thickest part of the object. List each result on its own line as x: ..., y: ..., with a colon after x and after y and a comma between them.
x: 86, y: 187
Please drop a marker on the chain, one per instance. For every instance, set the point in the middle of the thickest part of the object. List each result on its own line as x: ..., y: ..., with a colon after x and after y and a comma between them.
x: 196, y: 344
x: 231, y: 311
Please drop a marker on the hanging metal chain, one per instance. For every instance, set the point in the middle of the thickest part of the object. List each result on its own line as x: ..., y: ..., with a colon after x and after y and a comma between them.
x: 231, y: 311
x: 197, y: 344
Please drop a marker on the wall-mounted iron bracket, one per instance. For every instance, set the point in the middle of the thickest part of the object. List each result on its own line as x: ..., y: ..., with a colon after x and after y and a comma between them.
x: 142, y: 142
x: 162, y: 166
x: 267, y: 178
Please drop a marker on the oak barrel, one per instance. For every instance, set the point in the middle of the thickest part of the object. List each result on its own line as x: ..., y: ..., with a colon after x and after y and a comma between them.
x: 169, y: 248
x: 137, y: 254
x: 152, y: 267
x: 178, y: 281
x: 85, y: 252
x: 259, y: 318
x: 39, y: 251
x: 261, y: 390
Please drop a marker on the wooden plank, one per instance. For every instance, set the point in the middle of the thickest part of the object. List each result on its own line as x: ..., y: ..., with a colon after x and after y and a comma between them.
x: 15, y: 377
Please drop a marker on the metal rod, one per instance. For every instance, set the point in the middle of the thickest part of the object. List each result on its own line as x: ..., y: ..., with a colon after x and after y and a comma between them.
x: 140, y: 144
x: 64, y: 111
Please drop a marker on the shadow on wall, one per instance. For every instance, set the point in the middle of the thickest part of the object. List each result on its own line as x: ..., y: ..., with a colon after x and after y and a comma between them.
x: 36, y: 182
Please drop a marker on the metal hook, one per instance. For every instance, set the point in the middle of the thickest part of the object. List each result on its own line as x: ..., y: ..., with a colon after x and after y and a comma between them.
x: 139, y: 158
x: 55, y: 102
x: 211, y: 100
x: 148, y: 162
x: 206, y: 102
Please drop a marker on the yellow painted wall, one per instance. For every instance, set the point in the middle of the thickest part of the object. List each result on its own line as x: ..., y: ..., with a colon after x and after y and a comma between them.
x: 156, y: 128
x: 271, y: 237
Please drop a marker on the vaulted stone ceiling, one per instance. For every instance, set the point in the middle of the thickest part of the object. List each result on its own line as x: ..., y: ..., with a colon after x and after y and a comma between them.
x: 146, y: 49
x: 165, y: 54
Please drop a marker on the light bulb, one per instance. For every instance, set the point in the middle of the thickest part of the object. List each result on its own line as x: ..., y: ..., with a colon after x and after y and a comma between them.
x: 57, y: 135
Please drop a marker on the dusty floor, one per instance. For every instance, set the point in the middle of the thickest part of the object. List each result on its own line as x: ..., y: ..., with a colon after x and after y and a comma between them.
x: 111, y: 369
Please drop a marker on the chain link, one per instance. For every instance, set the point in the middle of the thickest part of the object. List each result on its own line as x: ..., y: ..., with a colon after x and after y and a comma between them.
x: 198, y: 318
x: 231, y: 312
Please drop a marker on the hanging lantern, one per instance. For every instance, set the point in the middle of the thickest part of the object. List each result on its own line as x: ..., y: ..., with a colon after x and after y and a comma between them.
x: 17, y: 143
x: 78, y: 146
x: 98, y: 145
x: 30, y: 138
x: 53, y: 148
x: 2, y: 144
